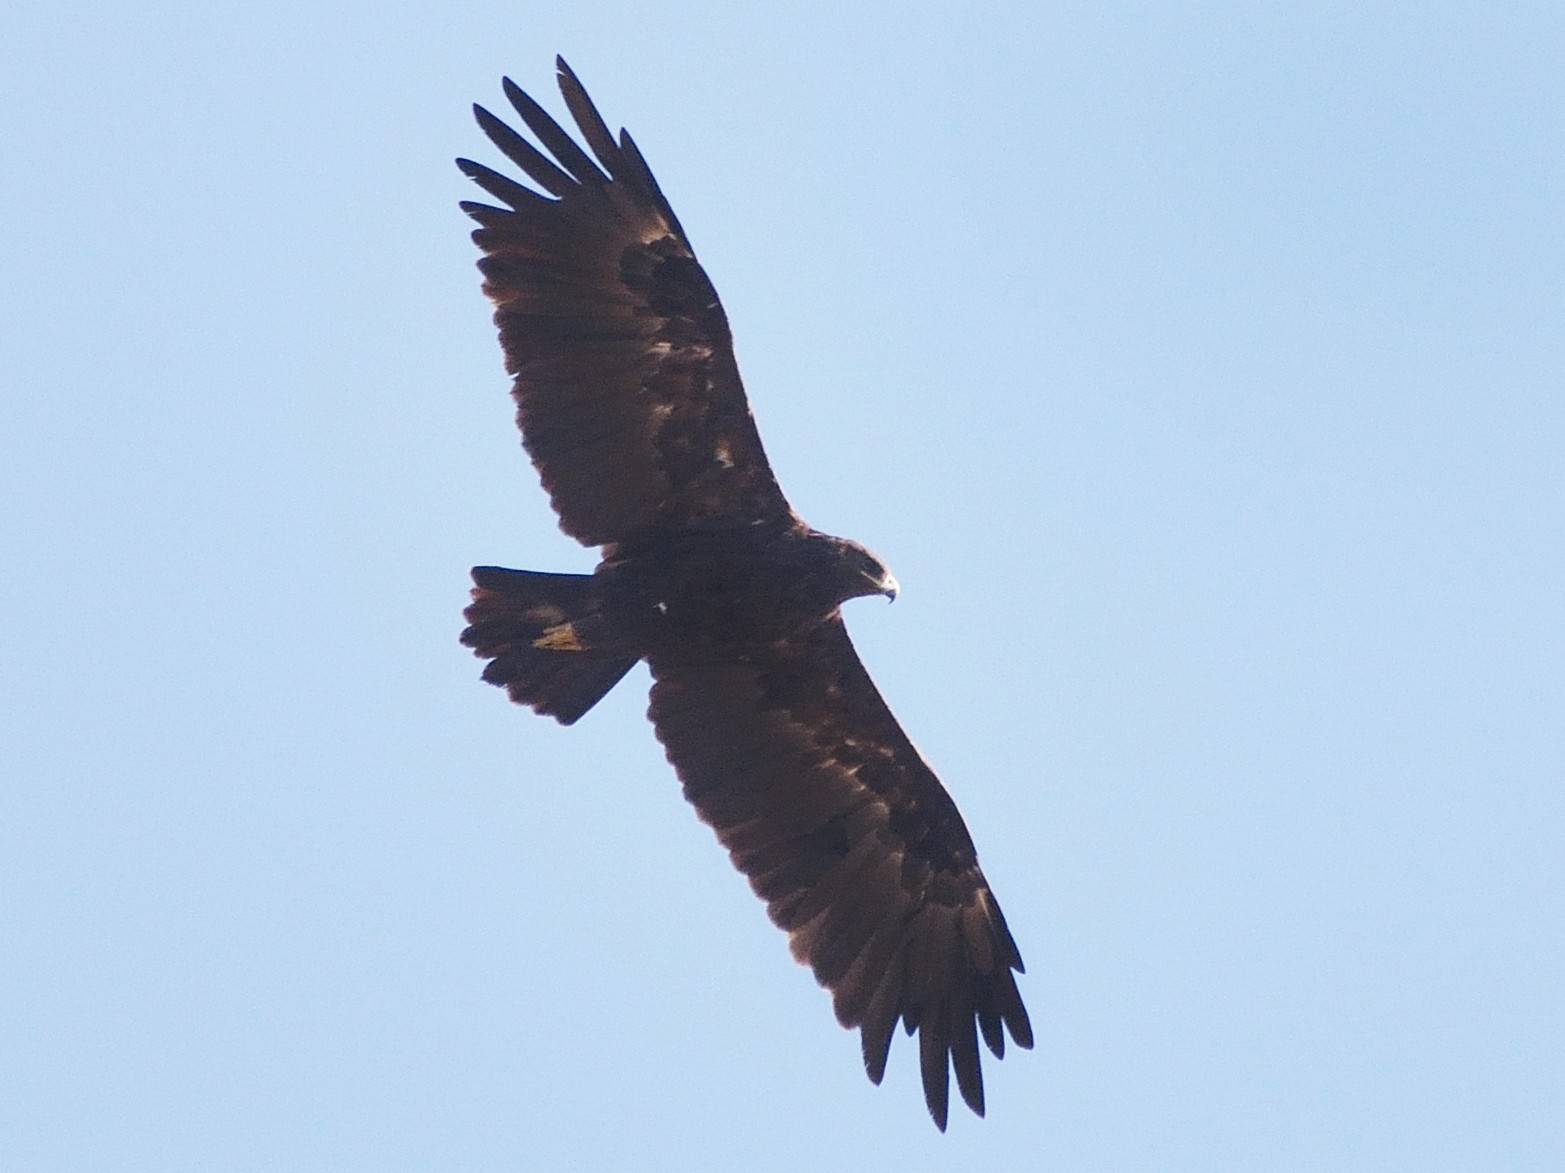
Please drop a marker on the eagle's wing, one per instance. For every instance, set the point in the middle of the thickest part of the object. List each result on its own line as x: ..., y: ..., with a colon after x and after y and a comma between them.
x: 628, y: 395
x: 795, y: 761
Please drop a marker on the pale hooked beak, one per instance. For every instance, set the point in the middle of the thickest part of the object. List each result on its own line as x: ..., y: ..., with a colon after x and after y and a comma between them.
x: 889, y: 587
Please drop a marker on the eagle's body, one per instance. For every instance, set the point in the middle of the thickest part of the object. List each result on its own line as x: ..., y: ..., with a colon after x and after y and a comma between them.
x: 630, y: 404
x: 718, y: 592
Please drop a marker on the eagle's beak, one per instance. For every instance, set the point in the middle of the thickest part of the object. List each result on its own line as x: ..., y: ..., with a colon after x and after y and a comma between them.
x: 889, y: 586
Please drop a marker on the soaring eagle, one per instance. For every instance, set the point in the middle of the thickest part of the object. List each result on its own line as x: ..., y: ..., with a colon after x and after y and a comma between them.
x: 631, y: 407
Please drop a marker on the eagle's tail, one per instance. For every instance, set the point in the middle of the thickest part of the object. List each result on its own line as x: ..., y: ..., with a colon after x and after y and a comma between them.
x: 529, y: 627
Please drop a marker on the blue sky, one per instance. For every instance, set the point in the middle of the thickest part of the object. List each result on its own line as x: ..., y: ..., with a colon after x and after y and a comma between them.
x: 1197, y: 369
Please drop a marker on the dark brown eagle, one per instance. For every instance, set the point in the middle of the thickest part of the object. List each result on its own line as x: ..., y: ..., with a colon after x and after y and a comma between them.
x: 631, y: 407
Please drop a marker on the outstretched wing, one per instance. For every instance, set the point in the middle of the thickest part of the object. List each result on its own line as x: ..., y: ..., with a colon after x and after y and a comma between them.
x: 795, y: 761
x: 628, y: 395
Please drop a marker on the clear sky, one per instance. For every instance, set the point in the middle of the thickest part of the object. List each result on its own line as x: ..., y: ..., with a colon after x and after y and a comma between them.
x: 1197, y: 367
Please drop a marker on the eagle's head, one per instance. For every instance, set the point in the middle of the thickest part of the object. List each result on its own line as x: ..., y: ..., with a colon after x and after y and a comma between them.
x: 858, y: 572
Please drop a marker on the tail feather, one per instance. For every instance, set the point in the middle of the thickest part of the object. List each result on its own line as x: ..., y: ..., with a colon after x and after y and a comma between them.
x: 535, y: 631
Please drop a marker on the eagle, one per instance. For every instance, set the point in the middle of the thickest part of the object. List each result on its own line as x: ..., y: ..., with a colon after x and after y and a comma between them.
x: 631, y: 407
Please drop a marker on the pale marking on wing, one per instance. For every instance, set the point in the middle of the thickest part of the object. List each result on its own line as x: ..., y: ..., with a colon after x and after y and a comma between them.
x: 561, y: 637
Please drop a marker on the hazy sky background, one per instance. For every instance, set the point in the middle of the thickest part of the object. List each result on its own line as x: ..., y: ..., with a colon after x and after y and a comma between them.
x: 1197, y: 368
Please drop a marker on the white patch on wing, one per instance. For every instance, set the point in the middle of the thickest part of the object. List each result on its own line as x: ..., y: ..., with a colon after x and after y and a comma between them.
x: 725, y: 454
